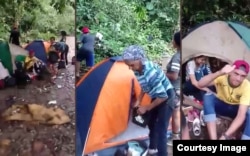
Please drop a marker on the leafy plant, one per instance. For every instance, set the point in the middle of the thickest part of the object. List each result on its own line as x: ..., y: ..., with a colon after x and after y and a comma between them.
x: 123, y: 23
x: 37, y: 19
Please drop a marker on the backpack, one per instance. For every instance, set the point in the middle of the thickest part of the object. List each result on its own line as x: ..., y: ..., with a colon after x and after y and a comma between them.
x: 19, y: 65
x: 10, y: 81
x: 61, y: 65
x: 21, y: 77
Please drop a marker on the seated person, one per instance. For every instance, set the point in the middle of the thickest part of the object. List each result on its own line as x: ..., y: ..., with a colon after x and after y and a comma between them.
x: 29, y: 62
x: 195, y: 70
x: 231, y: 100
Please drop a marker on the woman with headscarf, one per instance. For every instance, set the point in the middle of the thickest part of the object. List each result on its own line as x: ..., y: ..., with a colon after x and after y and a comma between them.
x: 154, y: 82
x: 86, y: 52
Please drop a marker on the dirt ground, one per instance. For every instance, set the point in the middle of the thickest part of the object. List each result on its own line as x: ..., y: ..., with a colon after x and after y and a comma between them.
x: 19, y: 138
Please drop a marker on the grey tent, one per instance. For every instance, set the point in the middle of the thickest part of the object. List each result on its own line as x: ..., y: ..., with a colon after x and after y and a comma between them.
x: 227, y: 41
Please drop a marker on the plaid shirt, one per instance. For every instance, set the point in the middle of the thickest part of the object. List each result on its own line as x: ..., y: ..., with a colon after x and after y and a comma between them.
x: 153, y: 80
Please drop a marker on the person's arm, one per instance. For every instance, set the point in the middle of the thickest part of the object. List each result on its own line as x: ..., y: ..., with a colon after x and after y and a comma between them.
x: 172, y: 75
x: 11, y: 34
x: 81, y: 39
x: 191, y: 73
x: 139, y: 99
x: 241, y: 115
x: 208, y: 80
x: 156, y: 102
x: 238, y: 121
x: 158, y: 90
x: 174, y: 70
x: 195, y: 83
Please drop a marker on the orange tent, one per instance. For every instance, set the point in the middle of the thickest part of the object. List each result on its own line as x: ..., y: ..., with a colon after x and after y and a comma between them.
x: 40, y: 47
x: 104, y: 104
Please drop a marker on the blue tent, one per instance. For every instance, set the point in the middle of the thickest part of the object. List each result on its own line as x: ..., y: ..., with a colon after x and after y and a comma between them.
x: 39, y: 47
x: 103, y: 92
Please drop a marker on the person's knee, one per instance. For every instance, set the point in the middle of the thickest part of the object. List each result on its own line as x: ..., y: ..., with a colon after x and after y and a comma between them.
x: 208, y: 98
x: 208, y: 106
x: 248, y: 115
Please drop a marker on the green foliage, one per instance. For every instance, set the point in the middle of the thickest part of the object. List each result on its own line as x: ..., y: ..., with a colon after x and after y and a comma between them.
x: 199, y: 11
x: 127, y: 22
x: 37, y: 19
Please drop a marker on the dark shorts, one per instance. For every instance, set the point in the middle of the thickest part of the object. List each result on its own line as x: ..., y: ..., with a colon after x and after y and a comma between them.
x: 53, y: 57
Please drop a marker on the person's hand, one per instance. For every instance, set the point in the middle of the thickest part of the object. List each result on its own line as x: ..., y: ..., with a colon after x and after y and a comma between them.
x: 227, y: 69
x: 142, y: 110
x: 207, y: 90
x: 222, y: 138
x: 137, y: 103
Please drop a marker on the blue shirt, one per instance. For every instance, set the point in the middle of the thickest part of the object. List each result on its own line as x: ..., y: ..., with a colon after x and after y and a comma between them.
x: 61, y: 46
x: 153, y: 80
x: 88, y: 41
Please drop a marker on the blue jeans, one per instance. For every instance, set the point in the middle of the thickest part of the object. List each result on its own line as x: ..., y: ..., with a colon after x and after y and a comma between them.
x: 158, y: 124
x: 87, y: 55
x: 212, y: 106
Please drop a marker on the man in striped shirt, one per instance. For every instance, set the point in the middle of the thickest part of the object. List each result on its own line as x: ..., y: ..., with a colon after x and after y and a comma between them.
x: 154, y: 82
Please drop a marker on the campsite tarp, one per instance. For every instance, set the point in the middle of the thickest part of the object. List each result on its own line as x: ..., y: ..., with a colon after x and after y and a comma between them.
x: 103, y: 106
x: 40, y: 48
x: 227, y: 41
x: 8, y: 54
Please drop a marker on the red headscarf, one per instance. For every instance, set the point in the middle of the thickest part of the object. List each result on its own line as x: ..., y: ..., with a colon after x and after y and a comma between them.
x: 241, y: 63
x: 85, y: 30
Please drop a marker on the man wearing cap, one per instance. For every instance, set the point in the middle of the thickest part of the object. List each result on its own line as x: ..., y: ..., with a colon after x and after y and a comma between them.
x: 231, y: 100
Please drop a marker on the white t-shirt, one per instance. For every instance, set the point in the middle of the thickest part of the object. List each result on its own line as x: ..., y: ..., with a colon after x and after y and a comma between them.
x: 191, y: 68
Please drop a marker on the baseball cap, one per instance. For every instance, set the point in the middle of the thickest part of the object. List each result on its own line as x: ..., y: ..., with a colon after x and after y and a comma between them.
x: 242, y: 65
